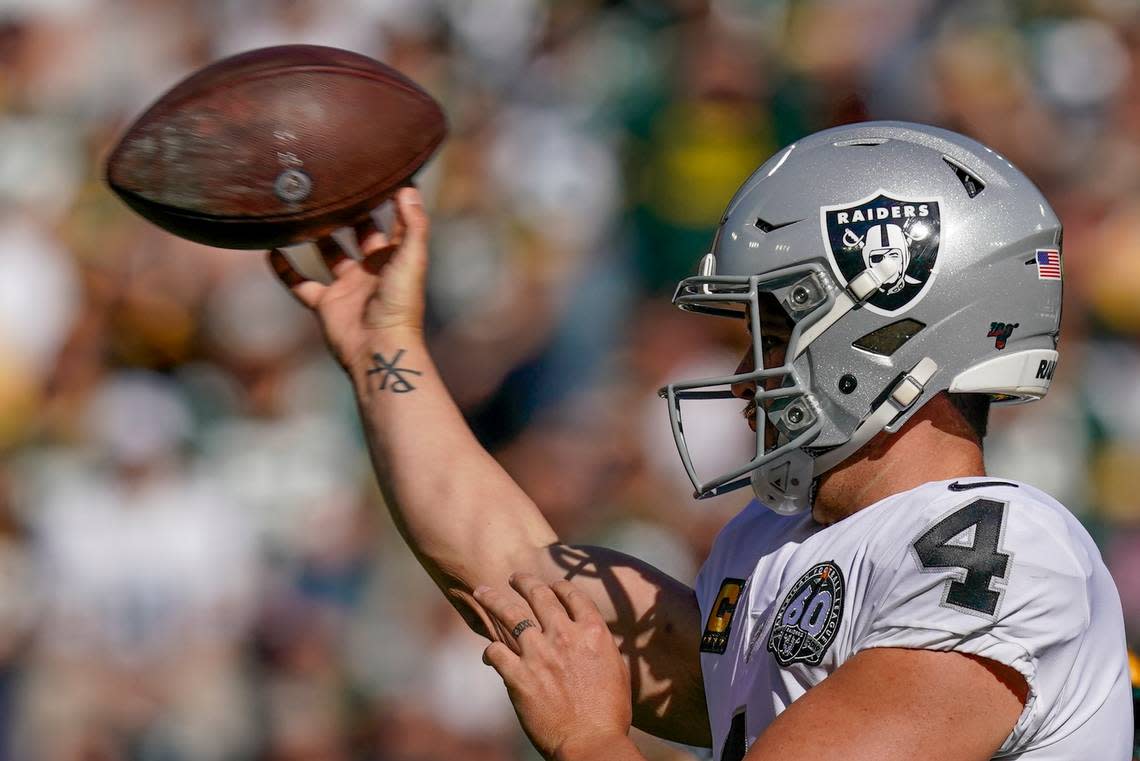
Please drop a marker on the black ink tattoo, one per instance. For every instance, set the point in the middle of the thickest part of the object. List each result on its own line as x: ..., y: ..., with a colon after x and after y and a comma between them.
x: 389, y: 371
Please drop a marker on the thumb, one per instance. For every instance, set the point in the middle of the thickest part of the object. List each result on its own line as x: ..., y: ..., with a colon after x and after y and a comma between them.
x: 403, y: 271
x: 413, y: 220
x: 410, y: 207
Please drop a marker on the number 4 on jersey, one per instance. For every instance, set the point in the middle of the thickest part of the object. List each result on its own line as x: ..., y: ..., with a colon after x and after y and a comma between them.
x: 982, y: 559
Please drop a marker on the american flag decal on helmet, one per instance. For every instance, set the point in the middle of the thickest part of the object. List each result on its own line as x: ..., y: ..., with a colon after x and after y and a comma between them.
x: 1048, y: 264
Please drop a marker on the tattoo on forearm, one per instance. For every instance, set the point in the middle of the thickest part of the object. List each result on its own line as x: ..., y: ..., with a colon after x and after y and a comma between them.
x: 390, y: 371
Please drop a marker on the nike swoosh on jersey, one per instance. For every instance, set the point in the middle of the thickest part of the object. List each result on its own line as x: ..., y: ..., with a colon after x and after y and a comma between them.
x: 978, y: 485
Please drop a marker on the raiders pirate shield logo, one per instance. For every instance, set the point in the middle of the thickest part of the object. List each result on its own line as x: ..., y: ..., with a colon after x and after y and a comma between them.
x: 807, y: 621
x: 882, y: 228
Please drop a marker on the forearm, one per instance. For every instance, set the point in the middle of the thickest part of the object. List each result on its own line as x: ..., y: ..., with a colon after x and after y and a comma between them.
x: 470, y: 524
x: 463, y: 516
x: 609, y: 748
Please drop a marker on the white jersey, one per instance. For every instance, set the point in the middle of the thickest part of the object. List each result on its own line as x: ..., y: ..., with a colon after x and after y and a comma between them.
x: 980, y: 566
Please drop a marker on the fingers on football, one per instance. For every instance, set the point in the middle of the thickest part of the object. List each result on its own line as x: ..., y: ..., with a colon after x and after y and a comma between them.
x: 541, y: 599
x: 407, y: 224
x: 365, y: 227
x: 307, y: 291
x: 382, y: 228
x: 507, y: 610
x: 333, y: 255
x: 579, y: 605
x: 370, y: 237
x: 376, y: 256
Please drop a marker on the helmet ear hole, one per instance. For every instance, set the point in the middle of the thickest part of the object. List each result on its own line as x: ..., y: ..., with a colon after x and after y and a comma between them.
x: 886, y: 340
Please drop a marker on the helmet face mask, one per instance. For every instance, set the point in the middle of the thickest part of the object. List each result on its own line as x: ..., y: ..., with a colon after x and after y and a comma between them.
x: 891, y: 271
x: 787, y: 418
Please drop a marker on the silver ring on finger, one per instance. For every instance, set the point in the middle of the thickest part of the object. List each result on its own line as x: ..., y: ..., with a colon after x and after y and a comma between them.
x: 521, y: 627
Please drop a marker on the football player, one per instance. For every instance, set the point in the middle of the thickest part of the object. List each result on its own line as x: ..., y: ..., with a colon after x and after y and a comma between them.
x: 881, y: 597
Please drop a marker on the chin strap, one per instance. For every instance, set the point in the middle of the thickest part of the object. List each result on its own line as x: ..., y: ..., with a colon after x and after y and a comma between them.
x: 901, y: 398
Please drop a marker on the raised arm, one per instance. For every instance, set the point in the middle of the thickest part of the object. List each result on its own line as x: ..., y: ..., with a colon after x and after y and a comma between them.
x: 466, y: 520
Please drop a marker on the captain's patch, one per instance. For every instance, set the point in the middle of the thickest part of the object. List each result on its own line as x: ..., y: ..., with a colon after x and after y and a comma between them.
x: 807, y: 621
x: 719, y: 626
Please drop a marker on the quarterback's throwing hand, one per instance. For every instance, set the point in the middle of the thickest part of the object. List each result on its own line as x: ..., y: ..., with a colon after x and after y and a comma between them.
x: 382, y: 292
x: 568, y: 682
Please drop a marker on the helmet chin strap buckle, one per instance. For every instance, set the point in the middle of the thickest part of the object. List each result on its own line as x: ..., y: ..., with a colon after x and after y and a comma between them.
x: 910, y: 386
x: 901, y: 398
x: 784, y: 486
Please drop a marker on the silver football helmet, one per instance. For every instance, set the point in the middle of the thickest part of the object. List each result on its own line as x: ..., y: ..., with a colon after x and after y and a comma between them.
x: 909, y: 260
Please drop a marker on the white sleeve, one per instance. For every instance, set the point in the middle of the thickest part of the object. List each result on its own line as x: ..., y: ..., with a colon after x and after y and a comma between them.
x: 995, y: 579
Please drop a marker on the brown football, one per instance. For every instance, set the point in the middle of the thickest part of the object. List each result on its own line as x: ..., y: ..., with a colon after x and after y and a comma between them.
x: 275, y: 146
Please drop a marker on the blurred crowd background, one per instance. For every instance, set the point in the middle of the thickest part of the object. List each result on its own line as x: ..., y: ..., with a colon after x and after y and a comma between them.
x: 195, y: 562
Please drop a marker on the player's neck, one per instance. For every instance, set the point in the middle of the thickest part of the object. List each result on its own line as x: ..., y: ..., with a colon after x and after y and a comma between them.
x: 934, y: 445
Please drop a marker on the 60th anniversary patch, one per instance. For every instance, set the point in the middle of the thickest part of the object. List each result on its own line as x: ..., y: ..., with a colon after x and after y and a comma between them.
x: 807, y: 621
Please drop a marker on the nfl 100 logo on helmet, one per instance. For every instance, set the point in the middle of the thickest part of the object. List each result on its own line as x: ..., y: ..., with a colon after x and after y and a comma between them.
x: 808, y: 620
x: 880, y: 228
